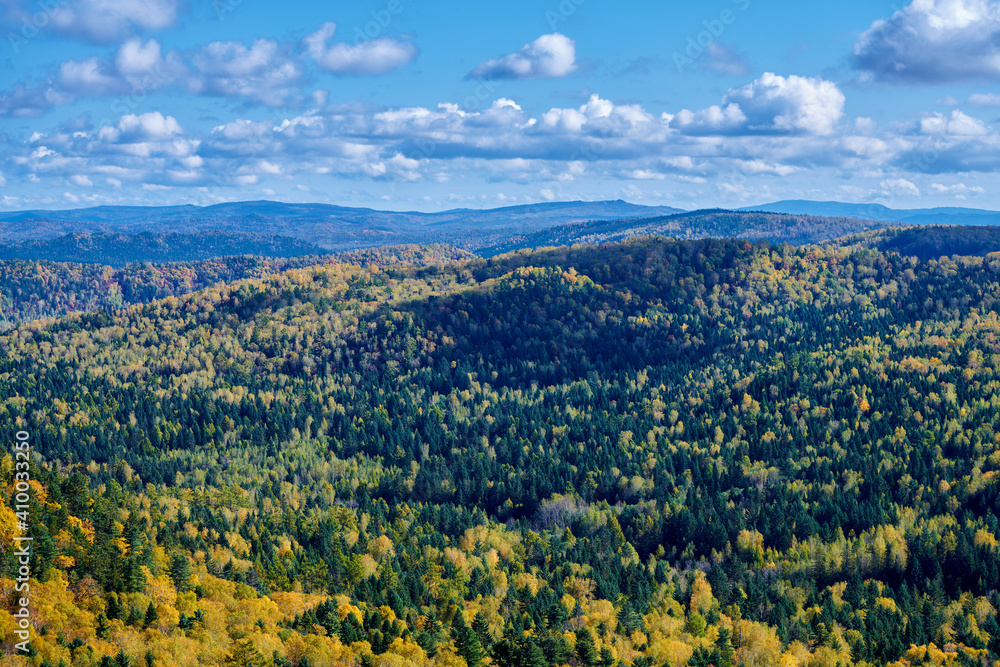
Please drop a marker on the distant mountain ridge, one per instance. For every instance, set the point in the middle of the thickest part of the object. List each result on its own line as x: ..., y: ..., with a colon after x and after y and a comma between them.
x: 331, y: 226
x: 709, y: 223
x: 121, y: 249
x: 118, y: 235
x: 947, y: 215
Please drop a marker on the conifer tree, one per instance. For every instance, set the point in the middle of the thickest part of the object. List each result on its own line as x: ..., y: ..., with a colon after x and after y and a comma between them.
x: 586, y: 652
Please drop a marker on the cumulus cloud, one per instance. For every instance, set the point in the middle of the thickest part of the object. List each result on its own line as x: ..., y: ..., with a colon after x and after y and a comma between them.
x: 985, y: 99
x: 26, y: 101
x: 957, y: 124
x: 959, y: 190
x: 893, y: 187
x: 90, y: 76
x: 713, y: 120
x: 794, y: 104
x: 770, y: 105
x: 549, y: 56
x: 106, y: 21
x: 265, y: 72
x: 262, y: 72
x: 148, y: 127
x: 933, y: 41
x: 376, y: 56
x: 775, y: 127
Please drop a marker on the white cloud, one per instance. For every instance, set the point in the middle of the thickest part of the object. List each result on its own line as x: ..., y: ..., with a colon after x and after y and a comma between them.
x: 262, y: 72
x: 91, y: 77
x: 647, y: 175
x: 134, y: 57
x: 713, y: 120
x: 549, y: 56
x: 958, y: 124
x: 149, y: 127
x: 894, y: 187
x: 31, y: 101
x: 959, y: 190
x: 794, y: 104
x: 376, y: 56
x: 82, y: 180
x: 105, y: 21
x: 775, y: 128
x: 985, y: 100
x: 933, y: 41
x: 762, y: 167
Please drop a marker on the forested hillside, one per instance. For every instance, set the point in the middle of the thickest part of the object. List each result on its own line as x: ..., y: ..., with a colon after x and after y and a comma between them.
x: 711, y: 223
x: 647, y: 453
x: 931, y: 242
x: 31, y: 290
x: 334, y: 227
x: 121, y: 249
x: 119, y: 235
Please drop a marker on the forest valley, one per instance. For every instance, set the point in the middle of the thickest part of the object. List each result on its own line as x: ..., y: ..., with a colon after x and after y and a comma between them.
x: 645, y: 453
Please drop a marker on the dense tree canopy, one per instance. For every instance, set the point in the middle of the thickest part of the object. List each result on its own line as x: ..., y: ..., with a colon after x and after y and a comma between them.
x: 648, y: 453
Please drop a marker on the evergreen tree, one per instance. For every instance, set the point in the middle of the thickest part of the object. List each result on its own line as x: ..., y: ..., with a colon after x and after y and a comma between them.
x: 482, y: 629
x: 180, y: 572
x: 113, y: 609
x: 467, y: 642
x: 586, y: 652
x: 724, y: 646
x: 151, y: 615
x: 245, y: 654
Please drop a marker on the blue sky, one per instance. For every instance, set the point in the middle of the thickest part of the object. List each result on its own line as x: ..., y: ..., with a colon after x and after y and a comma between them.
x: 424, y: 104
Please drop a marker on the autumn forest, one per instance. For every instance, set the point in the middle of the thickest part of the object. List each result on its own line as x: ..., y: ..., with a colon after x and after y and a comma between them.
x: 647, y: 453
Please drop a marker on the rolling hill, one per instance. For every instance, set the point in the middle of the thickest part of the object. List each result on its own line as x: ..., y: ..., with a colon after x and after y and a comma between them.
x: 644, y: 453
x: 333, y: 227
x: 121, y: 249
x: 481, y: 232
x: 714, y: 223
x: 928, y: 242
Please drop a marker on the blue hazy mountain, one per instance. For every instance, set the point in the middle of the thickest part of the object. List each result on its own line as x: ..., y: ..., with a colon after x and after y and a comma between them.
x: 334, y: 227
x: 122, y: 249
x: 948, y: 215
